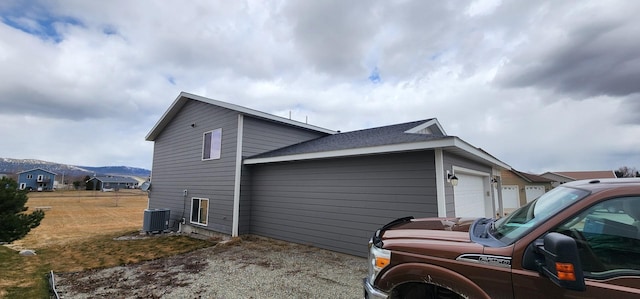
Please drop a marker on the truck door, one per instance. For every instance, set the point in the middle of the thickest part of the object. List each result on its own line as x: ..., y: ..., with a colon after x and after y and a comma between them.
x: 607, y: 235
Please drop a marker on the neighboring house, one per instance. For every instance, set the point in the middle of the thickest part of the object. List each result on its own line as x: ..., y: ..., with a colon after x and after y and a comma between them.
x: 36, y: 179
x: 110, y: 183
x: 519, y: 188
x: 561, y: 177
x: 229, y: 169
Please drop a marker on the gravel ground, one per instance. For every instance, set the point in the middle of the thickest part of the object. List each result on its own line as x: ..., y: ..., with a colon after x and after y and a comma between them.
x: 254, y: 267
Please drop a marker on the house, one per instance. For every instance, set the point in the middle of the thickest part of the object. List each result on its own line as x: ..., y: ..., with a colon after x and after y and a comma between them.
x: 519, y: 188
x: 561, y: 177
x: 36, y: 179
x: 110, y: 183
x: 220, y: 167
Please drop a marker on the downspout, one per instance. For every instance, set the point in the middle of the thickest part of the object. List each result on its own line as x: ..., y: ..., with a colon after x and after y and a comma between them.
x: 238, y: 176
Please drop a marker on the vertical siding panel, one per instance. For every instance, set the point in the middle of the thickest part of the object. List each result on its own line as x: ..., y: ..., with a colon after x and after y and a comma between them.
x: 261, y: 136
x: 337, y: 203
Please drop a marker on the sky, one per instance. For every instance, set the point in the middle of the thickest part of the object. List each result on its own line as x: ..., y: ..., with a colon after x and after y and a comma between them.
x: 540, y: 85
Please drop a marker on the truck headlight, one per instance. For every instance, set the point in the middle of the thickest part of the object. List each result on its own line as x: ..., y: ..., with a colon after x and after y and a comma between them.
x: 378, y: 259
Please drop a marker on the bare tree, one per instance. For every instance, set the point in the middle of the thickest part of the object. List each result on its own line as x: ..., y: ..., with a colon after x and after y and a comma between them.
x: 627, y: 172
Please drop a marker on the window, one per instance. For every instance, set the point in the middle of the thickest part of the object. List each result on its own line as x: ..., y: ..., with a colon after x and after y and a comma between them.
x: 607, y: 236
x: 524, y: 219
x: 23, y: 186
x: 29, y: 176
x: 199, y: 210
x: 212, y: 142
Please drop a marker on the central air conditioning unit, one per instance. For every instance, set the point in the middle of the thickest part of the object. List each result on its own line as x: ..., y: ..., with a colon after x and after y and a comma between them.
x: 156, y: 220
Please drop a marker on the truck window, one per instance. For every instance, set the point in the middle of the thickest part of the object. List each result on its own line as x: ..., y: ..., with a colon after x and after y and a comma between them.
x: 524, y: 219
x: 608, y: 237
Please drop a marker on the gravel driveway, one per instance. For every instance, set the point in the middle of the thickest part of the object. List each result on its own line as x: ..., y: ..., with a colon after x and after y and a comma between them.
x: 255, y: 267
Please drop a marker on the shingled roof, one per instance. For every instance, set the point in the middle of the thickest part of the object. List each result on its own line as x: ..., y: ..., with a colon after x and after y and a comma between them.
x: 387, y: 135
x: 532, y: 178
x: 411, y: 136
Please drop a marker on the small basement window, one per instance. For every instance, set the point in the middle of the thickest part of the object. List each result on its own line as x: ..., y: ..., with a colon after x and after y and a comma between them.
x: 199, y: 210
x: 211, y: 144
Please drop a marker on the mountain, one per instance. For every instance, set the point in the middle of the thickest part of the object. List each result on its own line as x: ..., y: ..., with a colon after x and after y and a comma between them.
x: 13, y: 166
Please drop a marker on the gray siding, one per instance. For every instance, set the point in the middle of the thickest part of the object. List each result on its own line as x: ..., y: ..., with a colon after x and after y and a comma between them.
x: 338, y: 203
x: 449, y: 160
x: 178, y: 165
x: 260, y: 136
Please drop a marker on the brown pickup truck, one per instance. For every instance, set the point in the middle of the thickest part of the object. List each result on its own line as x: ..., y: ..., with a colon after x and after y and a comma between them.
x: 579, y: 240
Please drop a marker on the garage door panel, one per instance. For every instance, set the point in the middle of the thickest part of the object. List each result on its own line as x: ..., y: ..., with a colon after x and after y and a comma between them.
x: 511, y: 196
x: 533, y: 192
x: 469, y: 196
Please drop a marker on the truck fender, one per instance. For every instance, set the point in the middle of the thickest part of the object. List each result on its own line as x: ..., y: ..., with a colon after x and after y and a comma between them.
x: 430, y: 274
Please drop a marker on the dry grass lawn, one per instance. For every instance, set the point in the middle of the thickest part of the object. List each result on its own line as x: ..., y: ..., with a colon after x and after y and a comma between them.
x: 78, y: 233
x: 74, y: 215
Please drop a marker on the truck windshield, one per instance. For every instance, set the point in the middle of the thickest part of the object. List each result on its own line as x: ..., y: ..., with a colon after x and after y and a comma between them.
x: 521, y: 221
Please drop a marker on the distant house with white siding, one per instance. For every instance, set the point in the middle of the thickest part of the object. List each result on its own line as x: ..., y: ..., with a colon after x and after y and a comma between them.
x: 220, y: 167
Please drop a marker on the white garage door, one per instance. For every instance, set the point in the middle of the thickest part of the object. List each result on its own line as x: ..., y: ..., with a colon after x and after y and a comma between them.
x: 510, y: 197
x: 469, y: 197
x: 533, y: 192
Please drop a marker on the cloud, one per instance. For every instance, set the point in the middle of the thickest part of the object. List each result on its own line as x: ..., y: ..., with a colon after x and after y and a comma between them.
x: 539, y: 84
x: 583, y: 53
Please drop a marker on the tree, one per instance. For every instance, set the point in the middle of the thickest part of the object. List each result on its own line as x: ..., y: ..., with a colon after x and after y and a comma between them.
x: 626, y: 172
x: 14, y: 223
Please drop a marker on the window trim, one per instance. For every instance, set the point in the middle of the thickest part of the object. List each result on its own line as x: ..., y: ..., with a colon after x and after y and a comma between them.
x: 214, y: 153
x: 206, y: 215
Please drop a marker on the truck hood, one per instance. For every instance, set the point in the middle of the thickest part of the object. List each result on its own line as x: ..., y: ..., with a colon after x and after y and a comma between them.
x: 441, y: 236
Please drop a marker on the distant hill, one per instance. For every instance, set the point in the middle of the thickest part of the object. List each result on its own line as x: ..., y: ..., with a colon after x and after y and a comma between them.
x: 13, y: 166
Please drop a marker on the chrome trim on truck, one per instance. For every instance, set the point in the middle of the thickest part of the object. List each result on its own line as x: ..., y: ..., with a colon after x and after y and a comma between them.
x: 372, y: 293
x: 486, y: 259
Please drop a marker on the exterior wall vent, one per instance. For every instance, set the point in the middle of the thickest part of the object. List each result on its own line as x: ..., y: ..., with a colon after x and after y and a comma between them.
x: 156, y: 220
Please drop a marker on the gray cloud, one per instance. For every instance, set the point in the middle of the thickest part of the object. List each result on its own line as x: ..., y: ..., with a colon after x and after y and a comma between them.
x: 582, y: 55
x: 530, y: 82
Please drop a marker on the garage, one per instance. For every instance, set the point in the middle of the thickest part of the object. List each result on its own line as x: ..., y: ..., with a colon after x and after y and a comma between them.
x: 337, y: 204
x: 511, y: 196
x: 533, y: 192
x: 469, y: 199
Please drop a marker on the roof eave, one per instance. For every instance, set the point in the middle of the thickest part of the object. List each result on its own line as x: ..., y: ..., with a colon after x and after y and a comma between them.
x: 184, y: 97
x: 38, y: 168
x: 447, y: 142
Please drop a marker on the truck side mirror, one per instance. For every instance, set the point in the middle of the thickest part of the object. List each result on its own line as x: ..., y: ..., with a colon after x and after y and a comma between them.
x: 562, y: 262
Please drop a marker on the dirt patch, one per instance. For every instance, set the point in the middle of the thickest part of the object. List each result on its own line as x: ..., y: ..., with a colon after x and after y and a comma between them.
x: 254, y: 267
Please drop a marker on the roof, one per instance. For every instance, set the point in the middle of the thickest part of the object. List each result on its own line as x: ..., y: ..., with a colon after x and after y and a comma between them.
x: 184, y: 97
x: 531, y: 178
x: 114, y: 179
x: 30, y: 170
x: 393, y: 134
x: 388, y: 139
x: 586, y: 175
